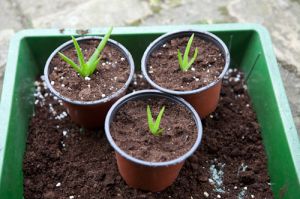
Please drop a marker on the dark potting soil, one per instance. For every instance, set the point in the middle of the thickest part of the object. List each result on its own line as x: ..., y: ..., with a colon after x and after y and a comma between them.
x: 111, y: 74
x: 65, y: 161
x: 130, y: 130
x: 163, y: 67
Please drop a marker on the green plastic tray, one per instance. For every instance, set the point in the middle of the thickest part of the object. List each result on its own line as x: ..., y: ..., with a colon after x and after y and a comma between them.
x: 251, y: 51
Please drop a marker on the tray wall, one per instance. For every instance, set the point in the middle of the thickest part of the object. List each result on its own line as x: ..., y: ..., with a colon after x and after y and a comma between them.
x: 251, y: 50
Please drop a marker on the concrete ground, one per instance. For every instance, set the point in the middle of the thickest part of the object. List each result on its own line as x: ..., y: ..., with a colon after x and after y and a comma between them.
x: 281, y: 17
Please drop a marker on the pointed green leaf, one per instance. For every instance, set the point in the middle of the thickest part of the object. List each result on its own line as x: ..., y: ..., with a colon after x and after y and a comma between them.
x: 158, y: 119
x: 100, y: 47
x: 187, y: 50
x: 93, y: 66
x: 179, y: 55
x: 150, y: 119
x: 79, y: 54
x: 69, y: 61
x: 193, y: 59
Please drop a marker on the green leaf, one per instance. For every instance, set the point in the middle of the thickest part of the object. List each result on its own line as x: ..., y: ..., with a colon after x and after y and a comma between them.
x: 193, y: 59
x: 158, y: 119
x: 184, y: 62
x: 93, y: 66
x: 179, y: 55
x: 69, y: 61
x: 187, y: 50
x: 79, y: 54
x: 100, y: 47
x: 154, y: 127
x: 87, y: 68
x: 150, y: 119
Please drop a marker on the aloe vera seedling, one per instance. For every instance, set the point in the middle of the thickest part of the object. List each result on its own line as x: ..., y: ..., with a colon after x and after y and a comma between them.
x: 184, y: 62
x: 86, y: 69
x: 154, y: 126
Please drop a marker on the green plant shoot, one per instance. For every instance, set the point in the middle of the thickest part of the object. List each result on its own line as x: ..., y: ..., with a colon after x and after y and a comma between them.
x: 86, y: 69
x: 154, y: 126
x: 184, y: 62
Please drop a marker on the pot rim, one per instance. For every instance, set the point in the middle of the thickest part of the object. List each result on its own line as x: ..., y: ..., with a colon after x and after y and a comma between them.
x: 69, y: 44
x: 140, y: 94
x: 168, y: 36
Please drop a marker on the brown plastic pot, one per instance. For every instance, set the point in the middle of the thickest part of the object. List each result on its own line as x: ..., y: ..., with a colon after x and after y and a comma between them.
x: 204, y: 99
x: 89, y: 114
x: 137, y: 173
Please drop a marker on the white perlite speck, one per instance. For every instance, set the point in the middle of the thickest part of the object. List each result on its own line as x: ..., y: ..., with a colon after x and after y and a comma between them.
x: 122, y: 59
x: 103, y: 95
x: 58, y: 184
x: 65, y: 133
x: 52, y: 83
x: 71, y: 197
x: 218, y: 196
x: 206, y: 194
x: 87, y: 78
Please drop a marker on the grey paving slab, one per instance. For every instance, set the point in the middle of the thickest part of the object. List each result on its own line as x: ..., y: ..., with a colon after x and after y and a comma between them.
x: 191, y: 11
x: 282, y: 18
x: 84, y: 14
x: 9, y: 17
x: 5, y: 36
x: 292, y: 88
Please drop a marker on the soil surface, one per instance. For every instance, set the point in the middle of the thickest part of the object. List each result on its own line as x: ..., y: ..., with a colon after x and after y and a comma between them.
x: 130, y: 130
x: 65, y: 161
x: 111, y: 74
x: 163, y: 67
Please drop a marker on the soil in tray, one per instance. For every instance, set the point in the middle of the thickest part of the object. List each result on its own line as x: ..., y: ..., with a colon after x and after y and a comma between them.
x: 163, y: 67
x: 129, y: 130
x: 64, y: 161
x: 111, y: 74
